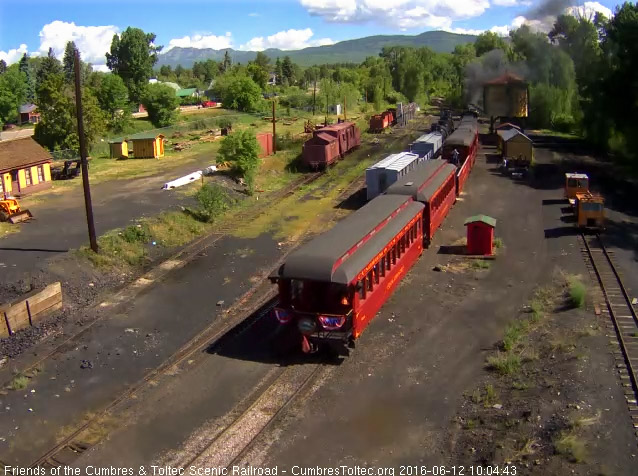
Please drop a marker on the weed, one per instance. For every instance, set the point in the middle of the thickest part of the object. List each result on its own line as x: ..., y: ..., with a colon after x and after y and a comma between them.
x: 504, y: 363
x: 213, y: 201
x: 481, y: 264
x: 577, y: 291
x: 19, y: 382
x: 634, y: 334
x: 527, y: 449
x: 517, y: 385
x: 136, y: 233
x: 570, y: 446
x: 498, y: 243
x: 471, y: 424
x: 491, y: 396
x: 476, y: 396
x: 584, y: 422
x: 513, y: 334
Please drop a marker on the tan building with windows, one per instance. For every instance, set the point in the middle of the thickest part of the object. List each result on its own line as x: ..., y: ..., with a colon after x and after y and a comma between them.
x: 25, y: 167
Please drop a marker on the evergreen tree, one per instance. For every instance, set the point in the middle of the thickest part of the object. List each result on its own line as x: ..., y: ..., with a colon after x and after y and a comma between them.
x: 132, y: 57
x: 287, y: 70
x: 226, y: 63
x: 29, y: 79
x: 68, y: 61
x: 279, y: 71
x: 50, y: 66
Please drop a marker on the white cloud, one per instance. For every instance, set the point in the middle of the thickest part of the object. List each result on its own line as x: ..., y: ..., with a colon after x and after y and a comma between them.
x: 505, y: 3
x: 92, y: 41
x: 13, y: 55
x: 402, y: 14
x: 285, y: 40
x: 587, y: 10
x: 499, y: 30
x: 202, y: 41
x: 254, y: 14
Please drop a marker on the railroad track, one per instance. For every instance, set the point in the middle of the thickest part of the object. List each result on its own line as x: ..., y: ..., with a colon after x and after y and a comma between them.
x: 283, y: 390
x: 622, y: 315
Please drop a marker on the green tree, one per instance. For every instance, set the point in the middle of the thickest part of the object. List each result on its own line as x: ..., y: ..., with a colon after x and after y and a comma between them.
x: 287, y: 70
x: 258, y: 74
x: 262, y: 60
x: 13, y: 92
x: 238, y: 92
x: 49, y: 66
x: 279, y: 71
x: 241, y: 151
x: 132, y: 57
x: 226, y: 63
x: 68, y: 61
x: 488, y: 41
x: 161, y: 103
x: 30, y: 78
x: 112, y: 96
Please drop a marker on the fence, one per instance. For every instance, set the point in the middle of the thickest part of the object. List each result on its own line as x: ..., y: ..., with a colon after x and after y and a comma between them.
x: 29, y: 309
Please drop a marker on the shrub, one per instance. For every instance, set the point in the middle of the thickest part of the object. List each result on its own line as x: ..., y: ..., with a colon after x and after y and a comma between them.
x: 504, y: 363
x: 212, y: 200
x: 241, y: 151
x: 136, y: 234
x: 161, y: 103
x: 563, y: 123
x: 577, y: 292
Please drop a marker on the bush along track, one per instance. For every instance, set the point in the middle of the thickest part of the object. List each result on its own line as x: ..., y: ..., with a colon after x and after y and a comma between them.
x: 540, y: 407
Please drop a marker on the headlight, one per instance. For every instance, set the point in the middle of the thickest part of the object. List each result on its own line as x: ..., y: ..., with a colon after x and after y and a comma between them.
x: 283, y: 316
x: 307, y: 325
x: 331, y: 323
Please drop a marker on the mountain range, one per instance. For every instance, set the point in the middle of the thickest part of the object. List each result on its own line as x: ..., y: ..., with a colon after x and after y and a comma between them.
x: 349, y: 51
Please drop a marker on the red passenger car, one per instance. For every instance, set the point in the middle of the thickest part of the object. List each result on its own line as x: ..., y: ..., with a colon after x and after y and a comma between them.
x: 330, y: 143
x: 332, y: 287
x: 465, y: 141
x: 433, y: 183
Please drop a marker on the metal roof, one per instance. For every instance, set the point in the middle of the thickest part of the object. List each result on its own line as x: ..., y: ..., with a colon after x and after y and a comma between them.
x: 576, y: 176
x: 509, y: 134
x: 461, y: 136
x: 316, y: 260
x: 430, y: 137
x: 413, y: 183
x: 185, y: 92
x: 482, y: 218
x: 395, y: 161
x: 26, y: 108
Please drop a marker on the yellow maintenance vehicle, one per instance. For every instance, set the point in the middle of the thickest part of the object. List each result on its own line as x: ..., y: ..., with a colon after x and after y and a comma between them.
x: 575, y: 183
x: 10, y: 211
x: 590, y: 211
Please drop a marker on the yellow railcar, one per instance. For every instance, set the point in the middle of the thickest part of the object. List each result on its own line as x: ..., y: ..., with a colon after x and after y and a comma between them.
x: 590, y: 210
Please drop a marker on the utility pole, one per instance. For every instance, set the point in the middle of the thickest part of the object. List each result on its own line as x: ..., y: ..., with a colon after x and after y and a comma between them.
x: 274, y: 130
x: 314, y: 97
x: 345, y: 117
x: 85, y: 165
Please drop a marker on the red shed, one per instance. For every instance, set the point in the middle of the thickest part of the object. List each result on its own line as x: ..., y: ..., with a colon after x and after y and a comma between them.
x: 265, y: 143
x: 480, y: 235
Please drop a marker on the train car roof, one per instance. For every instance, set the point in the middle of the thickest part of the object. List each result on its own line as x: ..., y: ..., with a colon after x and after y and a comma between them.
x: 395, y: 161
x: 336, y: 127
x: 421, y: 183
x: 413, y: 181
x: 461, y: 136
x: 330, y: 256
x: 429, y: 137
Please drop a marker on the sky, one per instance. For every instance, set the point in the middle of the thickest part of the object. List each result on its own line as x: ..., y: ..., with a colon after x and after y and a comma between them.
x: 34, y: 26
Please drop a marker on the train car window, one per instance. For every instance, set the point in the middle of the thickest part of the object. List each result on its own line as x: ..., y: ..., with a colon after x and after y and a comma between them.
x: 394, y: 254
x: 388, y: 260
x: 376, y: 273
x: 362, y: 288
x: 382, y: 266
x: 296, y: 288
x: 370, y: 282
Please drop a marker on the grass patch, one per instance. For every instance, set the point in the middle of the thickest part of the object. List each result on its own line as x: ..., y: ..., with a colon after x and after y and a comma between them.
x: 481, y: 264
x: 570, y: 446
x: 518, y: 385
x: 577, y: 291
x: 7, y: 228
x: 504, y: 363
x: 498, y: 243
x: 18, y: 382
x: 491, y: 396
x: 514, y: 333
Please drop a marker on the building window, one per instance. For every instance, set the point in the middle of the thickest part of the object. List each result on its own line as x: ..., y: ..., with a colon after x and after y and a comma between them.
x: 40, y: 173
x: 14, y: 175
x: 1, y: 185
x: 27, y: 176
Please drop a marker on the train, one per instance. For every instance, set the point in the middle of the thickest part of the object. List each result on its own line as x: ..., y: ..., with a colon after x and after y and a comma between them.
x: 331, y: 288
x: 392, y: 116
x: 329, y: 144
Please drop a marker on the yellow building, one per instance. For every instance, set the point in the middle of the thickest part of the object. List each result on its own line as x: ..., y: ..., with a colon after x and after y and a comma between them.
x: 25, y: 167
x: 119, y: 149
x: 147, y: 145
x: 514, y: 145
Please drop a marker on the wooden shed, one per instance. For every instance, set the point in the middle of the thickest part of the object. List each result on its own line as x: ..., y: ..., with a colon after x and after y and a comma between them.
x: 25, y: 167
x: 480, y: 235
x: 514, y: 145
x: 148, y: 145
x: 119, y: 149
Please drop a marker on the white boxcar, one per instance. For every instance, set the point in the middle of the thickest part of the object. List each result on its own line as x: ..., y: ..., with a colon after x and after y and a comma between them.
x: 430, y: 142
x: 387, y: 171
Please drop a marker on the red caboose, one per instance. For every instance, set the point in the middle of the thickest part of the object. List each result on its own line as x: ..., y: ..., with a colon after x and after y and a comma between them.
x: 332, y: 287
x: 330, y: 143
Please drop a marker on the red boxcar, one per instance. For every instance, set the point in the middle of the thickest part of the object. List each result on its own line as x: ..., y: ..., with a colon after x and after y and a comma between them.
x: 265, y: 143
x: 434, y: 184
x: 464, y: 140
x: 329, y: 143
x: 331, y: 288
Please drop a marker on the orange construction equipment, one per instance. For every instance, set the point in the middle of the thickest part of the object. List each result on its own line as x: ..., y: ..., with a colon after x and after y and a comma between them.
x: 10, y: 211
x: 575, y: 183
x: 590, y: 210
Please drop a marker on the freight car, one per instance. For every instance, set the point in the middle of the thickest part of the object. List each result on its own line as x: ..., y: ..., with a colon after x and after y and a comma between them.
x: 330, y: 143
x: 428, y: 144
x: 332, y: 287
x: 379, y: 122
x: 387, y: 171
x: 433, y: 183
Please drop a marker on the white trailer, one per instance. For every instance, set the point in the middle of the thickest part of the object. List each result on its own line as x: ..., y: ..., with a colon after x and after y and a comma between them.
x: 387, y: 171
x: 430, y: 142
